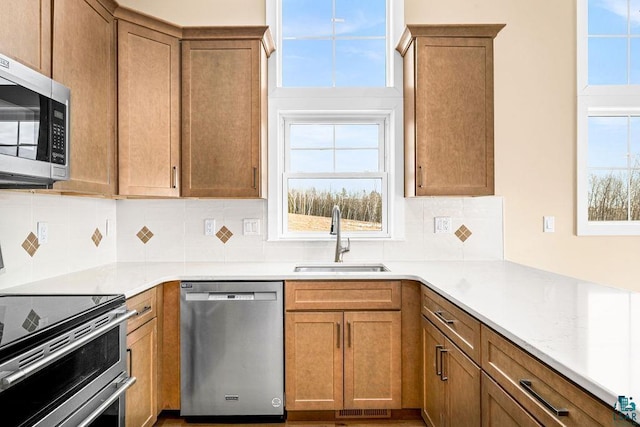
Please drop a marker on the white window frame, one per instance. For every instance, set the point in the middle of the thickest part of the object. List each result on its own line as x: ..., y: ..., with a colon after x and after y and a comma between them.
x: 338, y: 101
x: 597, y: 101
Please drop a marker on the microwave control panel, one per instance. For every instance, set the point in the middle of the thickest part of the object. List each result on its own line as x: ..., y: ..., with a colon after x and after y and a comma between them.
x: 58, y: 134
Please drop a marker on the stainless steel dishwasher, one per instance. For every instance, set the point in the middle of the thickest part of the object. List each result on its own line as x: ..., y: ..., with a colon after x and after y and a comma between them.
x: 232, y: 349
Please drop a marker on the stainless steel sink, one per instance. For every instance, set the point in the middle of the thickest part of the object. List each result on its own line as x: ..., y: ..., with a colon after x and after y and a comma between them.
x: 341, y: 268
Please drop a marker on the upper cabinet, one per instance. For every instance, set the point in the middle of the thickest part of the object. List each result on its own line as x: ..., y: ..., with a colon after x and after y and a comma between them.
x: 148, y: 111
x: 224, y: 111
x: 25, y: 32
x: 448, y: 109
x: 84, y: 60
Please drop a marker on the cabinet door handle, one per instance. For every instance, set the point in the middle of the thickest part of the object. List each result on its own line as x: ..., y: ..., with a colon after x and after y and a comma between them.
x: 443, y: 376
x: 339, y: 338
x: 560, y: 412
x: 144, y: 310
x: 420, y: 184
x: 255, y: 177
x: 438, y: 359
x: 174, y: 177
x: 130, y: 354
x: 349, y: 333
x: 440, y: 316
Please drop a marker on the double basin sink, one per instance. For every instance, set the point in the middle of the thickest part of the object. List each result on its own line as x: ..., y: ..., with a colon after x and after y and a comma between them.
x: 341, y: 268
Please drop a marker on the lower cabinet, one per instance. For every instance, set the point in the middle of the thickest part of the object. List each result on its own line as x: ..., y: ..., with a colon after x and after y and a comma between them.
x: 343, y: 360
x: 142, y: 349
x: 451, y: 382
x: 500, y: 410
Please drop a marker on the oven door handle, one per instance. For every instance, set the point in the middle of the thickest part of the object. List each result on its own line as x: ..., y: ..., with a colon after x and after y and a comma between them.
x: 22, y: 373
x: 108, y: 402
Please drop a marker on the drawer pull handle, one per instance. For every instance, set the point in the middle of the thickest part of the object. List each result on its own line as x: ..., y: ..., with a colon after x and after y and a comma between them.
x: 439, y: 361
x: 526, y: 385
x: 338, y: 341
x: 443, y: 376
x: 440, y: 316
x: 349, y: 333
x: 144, y: 310
x: 420, y: 185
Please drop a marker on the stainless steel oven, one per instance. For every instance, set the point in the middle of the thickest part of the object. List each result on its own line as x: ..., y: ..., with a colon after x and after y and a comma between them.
x: 63, y: 360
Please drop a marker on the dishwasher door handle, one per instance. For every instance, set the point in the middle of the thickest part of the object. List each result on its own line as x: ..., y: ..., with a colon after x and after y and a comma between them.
x: 231, y: 296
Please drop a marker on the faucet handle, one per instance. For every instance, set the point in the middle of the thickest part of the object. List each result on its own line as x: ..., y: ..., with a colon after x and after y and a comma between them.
x: 346, y: 249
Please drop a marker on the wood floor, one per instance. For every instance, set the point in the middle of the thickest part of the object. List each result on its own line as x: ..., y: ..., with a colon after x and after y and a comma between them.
x: 168, y: 420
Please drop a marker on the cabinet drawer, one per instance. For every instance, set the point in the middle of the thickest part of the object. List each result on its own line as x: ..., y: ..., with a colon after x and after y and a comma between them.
x: 500, y: 410
x: 145, y: 304
x: 342, y: 295
x: 521, y: 376
x: 457, y: 325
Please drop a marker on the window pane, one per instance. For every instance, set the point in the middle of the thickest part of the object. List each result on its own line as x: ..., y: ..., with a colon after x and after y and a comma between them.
x: 357, y: 161
x: 311, y: 136
x: 307, y: 63
x: 361, y: 18
x: 311, y: 161
x: 607, y: 61
x: 608, y: 142
x: 310, y: 202
x: 634, y: 78
x: 307, y: 18
x: 634, y: 142
x: 608, y: 195
x: 635, y: 17
x: 357, y: 136
x: 360, y: 63
x: 608, y: 16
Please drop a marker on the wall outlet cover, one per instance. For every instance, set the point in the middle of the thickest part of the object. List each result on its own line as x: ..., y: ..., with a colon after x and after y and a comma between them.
x: 209, y: 227
x: 43, y: 232
x: 251, y: 227
x: 442, y: 224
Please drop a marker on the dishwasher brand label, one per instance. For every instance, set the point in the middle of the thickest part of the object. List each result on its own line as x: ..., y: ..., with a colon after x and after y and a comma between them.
x: 276, y: 402
x: 231, y: 397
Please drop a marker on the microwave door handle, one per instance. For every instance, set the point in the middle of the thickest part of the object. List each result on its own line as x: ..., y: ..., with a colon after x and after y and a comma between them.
x: 22, y: 373
x: 108, y: 402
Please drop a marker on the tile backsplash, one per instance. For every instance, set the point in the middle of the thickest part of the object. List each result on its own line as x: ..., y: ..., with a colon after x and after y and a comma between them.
x: 86, y: 232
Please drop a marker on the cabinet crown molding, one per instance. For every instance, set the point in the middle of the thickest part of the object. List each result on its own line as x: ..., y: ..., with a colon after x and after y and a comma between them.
x: 446, y: 30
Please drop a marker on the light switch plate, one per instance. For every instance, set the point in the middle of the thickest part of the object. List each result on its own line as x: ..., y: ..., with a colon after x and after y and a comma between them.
x: 549, y: 224
x: 251, y: 227
x: 442, y: 224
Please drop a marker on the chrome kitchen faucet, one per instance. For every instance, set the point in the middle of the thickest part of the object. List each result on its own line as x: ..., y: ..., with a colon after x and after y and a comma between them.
x: 335, y: 230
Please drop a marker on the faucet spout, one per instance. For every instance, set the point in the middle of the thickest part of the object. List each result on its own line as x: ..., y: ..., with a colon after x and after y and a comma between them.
x: 335, y: 230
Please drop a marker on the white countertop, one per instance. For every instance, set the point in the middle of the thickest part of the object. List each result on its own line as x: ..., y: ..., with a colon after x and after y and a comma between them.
x: 588, y: 332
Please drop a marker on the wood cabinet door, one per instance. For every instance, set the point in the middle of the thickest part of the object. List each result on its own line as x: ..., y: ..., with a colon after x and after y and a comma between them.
x: 433, y: 392
x: 84, y: 60
x: 148, y: 112
x: 454, y: 116
x: 141, y: 398
x: 500, y: 410
x: 25, y: 32
x: 372, y: 360
x: 313, y: 361
x: 462, y: 388
x: 222, y: 104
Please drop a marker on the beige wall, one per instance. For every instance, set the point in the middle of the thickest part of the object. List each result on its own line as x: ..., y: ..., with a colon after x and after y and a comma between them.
x: 202, y: 12
x: 536, y: 135
x: 535, y: 122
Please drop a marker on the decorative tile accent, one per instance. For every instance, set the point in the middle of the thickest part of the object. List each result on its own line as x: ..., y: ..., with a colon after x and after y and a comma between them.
x: 31, y: 322
x: 97, y: 237
x: 31, y: 244
x: 144, y: 234
x: 224, y: 234
x: 463, y: 233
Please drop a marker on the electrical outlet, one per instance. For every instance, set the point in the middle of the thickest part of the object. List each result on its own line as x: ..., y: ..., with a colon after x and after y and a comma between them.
x: 442, y: 224
x: 251, y: 227
x: 209, y: 227
x: 43, y: 233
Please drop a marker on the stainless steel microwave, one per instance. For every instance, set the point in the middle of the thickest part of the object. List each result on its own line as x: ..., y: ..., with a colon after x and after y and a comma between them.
x: 34, y: 128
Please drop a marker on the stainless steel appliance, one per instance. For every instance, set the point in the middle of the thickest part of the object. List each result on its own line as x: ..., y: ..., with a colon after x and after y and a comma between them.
x: 232, y: 349
x: 63, y: 360
x: 34, y: 128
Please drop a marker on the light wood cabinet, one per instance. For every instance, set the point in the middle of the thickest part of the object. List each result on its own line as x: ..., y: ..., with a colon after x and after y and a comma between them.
x: 143, y: 362
x: 448, y: 109
x: 343, y: 359
x: 500, y: 410
x: 224, y: 112
x: 142, y: 349
x: 148, y: 112
x: 84, y: 60
x: 25, y: 32
x: 451, y: 382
